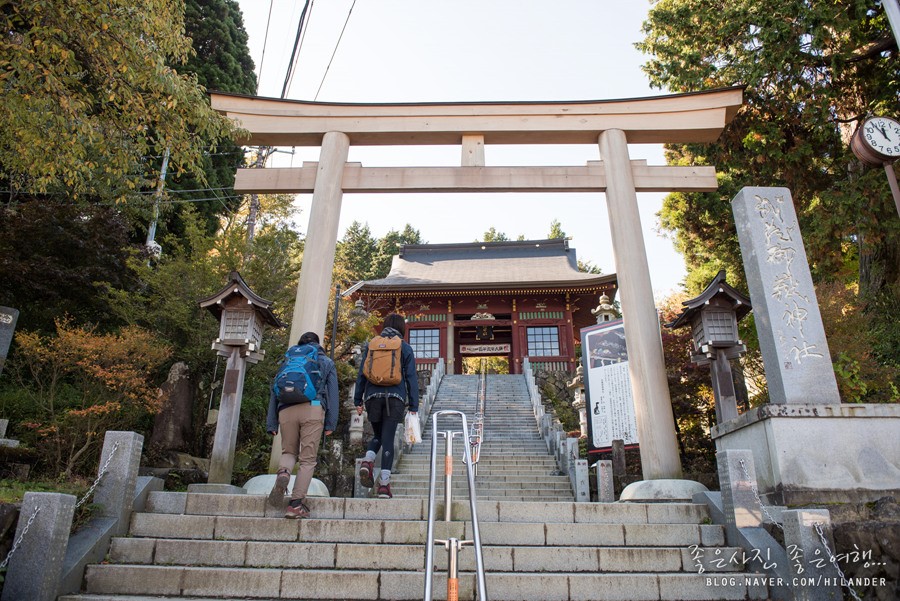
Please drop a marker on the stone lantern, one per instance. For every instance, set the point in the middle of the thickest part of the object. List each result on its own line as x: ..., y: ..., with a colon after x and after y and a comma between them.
x: 579, y: 403
x: 713, y: 317
x: 242, y: 318
x: 605, y: 311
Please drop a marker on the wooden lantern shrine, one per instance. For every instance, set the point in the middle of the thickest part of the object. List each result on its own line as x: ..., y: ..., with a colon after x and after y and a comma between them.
x: 713, y: 317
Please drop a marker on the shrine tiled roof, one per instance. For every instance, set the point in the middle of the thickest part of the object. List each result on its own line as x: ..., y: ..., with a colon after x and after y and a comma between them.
x: 486, y: 265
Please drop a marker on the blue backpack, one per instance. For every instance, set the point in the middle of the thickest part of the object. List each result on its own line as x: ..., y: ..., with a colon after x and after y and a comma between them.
x: 297, y: 380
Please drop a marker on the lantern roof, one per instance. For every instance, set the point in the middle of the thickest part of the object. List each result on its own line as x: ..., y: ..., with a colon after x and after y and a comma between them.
x: 717, y: 289
x: 238, y: 287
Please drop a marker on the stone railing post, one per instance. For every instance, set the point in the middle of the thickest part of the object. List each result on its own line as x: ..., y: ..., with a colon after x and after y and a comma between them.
x: 737, y: 479
x: 814, y: 576
x: 582, y: 482
x: 35, y: 569
x: 743, y: 512
x: 605, y: 488
x: 115, y: 492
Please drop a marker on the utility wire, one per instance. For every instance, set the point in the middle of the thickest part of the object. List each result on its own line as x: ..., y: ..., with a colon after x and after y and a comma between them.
x: 262, y: 59
x: 293, y: 68
x: 324, y: 75
x: 294, y: 51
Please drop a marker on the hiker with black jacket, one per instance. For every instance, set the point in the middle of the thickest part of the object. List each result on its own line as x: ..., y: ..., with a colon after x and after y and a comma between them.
x: 301, y: 414
x: 386, y: 384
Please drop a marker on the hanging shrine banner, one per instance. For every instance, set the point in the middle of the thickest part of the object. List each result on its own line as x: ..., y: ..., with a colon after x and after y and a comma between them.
x: 610, y: 404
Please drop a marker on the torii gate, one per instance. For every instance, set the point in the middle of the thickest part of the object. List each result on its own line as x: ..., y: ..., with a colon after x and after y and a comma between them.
x: 695, y: 117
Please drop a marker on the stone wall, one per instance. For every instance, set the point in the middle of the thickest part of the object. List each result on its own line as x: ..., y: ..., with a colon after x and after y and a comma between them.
x: 868, y: 534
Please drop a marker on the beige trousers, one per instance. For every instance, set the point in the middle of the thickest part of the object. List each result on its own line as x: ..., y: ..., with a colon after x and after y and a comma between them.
x: 301, y: 432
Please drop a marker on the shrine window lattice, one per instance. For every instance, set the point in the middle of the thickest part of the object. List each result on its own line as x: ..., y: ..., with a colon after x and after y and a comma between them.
x: 543, y: 342
x: 425, y: 343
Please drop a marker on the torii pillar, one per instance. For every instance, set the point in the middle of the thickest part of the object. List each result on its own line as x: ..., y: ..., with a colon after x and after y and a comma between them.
x: 311, y: 304
x: 647, y: 369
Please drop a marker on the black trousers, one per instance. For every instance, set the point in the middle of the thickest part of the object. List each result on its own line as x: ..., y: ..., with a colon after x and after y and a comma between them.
x: 385, y: 414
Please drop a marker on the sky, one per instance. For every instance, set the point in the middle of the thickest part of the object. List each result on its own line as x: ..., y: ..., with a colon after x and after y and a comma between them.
x: 468, y: 50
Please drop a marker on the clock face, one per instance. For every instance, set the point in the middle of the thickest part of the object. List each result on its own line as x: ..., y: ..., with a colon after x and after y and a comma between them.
x: 882, y: 135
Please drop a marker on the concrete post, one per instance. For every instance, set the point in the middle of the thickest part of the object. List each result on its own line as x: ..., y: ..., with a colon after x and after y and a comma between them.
x: 737, y: 482
x: 816, y: 578
x: 359, y: 491
x: 605, y: 489
x: 571, y: 447
x: 618, y: 457
x: 35, y: 569
x: 115, y: 492
x: 646, y: 366
x: 582, y: 484
x: 221, y: 461
x: 311, y: 305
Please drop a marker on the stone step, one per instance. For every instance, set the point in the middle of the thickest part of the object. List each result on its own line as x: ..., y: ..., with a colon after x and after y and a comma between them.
x: 194, y: 582
x: 362, y: 556
x: 204, y: 505
x: 156, y: 526
x: 498, y: 480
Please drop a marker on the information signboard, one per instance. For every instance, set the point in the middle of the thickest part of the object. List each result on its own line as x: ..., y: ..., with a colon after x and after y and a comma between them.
x: 610, y: 404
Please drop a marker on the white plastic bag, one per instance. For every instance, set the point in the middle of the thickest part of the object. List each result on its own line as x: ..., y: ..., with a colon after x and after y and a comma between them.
x: 412, y: 430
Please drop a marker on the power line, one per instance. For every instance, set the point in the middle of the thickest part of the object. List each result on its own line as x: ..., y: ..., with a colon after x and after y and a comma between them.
x: 293, y: 68
x: 262, y: 59
x: 294, y: 51
x: 324, y: 75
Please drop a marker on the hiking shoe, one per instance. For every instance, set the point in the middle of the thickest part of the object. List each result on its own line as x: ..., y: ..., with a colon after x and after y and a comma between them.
x: 384, y: 491
x: 296, y: 510
x: 276, y: 496
x: 365, y: 474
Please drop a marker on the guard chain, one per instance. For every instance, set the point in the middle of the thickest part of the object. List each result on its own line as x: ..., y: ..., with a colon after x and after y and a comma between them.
x: 21, y: 536
x: 759, y: 502
x: 100, y: 475
x: 820, y: 530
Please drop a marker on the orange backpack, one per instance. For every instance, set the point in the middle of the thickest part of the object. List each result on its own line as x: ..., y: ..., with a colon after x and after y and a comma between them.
x: 382, y: 366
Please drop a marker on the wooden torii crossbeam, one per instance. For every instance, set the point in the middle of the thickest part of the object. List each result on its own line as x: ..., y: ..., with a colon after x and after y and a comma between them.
x: 612, y: 125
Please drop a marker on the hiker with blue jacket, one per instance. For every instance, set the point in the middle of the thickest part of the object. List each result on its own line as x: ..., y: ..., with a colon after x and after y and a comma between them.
x: 386, y: 384
x: 304, y: 400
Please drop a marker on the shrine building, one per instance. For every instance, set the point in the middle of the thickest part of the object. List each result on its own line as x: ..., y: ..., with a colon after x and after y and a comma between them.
x: 490, y: 299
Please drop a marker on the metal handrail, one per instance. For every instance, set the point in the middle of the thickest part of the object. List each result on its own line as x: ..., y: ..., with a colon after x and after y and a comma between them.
x: 476, y: 434
x: 452, y: 545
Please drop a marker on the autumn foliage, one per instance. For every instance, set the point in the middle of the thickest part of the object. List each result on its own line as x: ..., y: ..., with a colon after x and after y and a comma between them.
x: 79, y: 384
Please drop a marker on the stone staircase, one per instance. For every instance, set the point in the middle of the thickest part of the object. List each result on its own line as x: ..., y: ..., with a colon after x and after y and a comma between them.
x: 208, y: 546
x: 515, y: 464
x: 217, y: 546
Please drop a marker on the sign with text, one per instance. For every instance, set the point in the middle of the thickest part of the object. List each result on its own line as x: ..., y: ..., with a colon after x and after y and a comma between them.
x: 8, y: 318
x: 610, y: 404
x: 484, y: 349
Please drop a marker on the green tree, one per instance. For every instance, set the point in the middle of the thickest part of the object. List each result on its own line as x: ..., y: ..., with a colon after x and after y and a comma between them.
x: 221, y: 61
x: 355, y: 253
x: 388, y: 246
x: 58, y: 259
x: 221, y: 58
x: 492, y: 235
x: 88, y: 93
x: 556, y: 230
x: 812, y: 70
